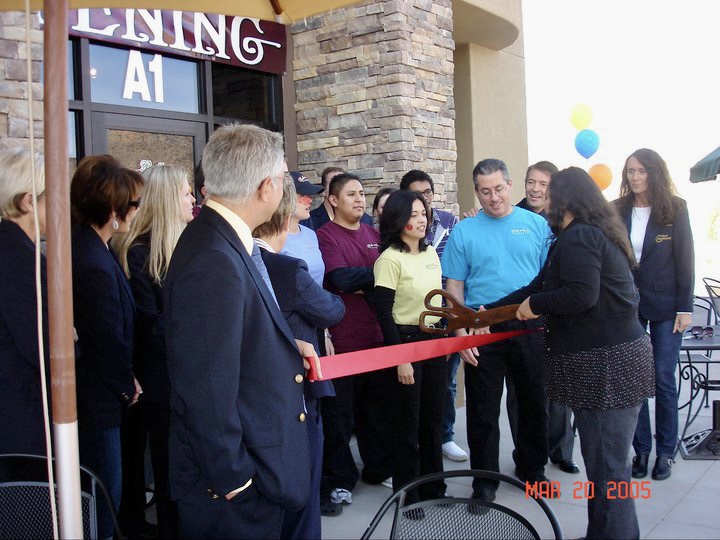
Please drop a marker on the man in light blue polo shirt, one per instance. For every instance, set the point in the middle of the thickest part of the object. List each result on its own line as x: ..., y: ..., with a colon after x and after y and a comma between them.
x: 488, y: 256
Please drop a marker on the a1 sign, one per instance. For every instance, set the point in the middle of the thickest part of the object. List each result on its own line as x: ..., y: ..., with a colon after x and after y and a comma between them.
x: 136, y: 78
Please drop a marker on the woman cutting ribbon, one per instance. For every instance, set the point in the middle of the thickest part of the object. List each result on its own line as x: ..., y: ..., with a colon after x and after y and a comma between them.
x: 599, y: 358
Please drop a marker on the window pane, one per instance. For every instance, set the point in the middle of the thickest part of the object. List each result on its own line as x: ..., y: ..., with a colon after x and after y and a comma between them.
x: 71, y: 69
x: 136, y: 79
x: 245, y: 95
x: 72, y: 137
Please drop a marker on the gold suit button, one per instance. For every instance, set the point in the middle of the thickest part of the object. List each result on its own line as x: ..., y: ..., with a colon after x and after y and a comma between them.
x: 301, y: 417
x: 298, y: 378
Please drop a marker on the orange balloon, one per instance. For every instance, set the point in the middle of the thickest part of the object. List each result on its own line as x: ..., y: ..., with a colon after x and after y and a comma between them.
x: 601, y: 174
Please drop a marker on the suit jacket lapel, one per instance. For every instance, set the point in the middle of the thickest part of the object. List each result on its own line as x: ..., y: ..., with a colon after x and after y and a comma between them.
x: 223, y: 227
x: 650, y: 233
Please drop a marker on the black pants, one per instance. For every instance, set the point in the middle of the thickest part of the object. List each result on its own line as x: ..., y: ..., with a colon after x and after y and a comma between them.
x: 361, y: 401
x: 147, y: 420
x: 157, y: 417
x: 418, y: 413
x: 524, y: 357
x: 561, y: 437
x: 133, y: 437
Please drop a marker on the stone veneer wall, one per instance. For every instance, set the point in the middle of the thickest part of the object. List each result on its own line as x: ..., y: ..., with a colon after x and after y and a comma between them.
x: 374, y: 93
x: 13, y: 76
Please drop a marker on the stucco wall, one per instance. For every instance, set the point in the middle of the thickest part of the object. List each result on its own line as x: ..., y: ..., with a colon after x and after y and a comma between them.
x: 492, y: 114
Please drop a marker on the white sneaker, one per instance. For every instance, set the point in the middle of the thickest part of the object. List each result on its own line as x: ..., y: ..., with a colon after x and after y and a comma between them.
x: 387, y: 482
x: 341, y: 496
x: 452, y: 451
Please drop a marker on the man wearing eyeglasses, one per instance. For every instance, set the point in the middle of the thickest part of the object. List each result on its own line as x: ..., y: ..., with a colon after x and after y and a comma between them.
x: 441, y: 224
x: 488, y: 256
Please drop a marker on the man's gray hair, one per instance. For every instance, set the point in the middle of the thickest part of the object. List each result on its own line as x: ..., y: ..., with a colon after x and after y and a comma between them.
x: 238, y: 157
x: 489, y: 166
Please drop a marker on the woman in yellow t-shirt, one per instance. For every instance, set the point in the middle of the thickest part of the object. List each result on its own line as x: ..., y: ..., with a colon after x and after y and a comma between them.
x: 404, y: 273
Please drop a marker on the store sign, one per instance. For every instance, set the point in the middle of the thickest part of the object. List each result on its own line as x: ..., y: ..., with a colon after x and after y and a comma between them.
x: 240, y: 41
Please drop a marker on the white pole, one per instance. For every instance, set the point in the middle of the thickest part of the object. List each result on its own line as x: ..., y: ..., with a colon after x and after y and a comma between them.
x: 67, y: 474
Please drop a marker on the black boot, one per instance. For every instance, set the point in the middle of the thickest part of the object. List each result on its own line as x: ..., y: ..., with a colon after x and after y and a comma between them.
x: 662, y: 468
x: 640, y: 466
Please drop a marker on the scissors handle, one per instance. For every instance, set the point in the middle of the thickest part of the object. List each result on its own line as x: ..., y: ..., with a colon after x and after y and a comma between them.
x: 451, y: 302
x: 431, y: 329
x: 459, y: 316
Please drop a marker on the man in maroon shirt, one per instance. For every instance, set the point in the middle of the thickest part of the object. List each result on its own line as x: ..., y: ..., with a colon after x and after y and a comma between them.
x: 349, y: 249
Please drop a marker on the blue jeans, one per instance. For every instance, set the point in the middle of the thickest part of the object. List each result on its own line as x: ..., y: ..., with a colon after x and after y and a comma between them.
x: 605, y: 438
x: 666, y: 348
x: 100, y: 452
x: 449, y: 417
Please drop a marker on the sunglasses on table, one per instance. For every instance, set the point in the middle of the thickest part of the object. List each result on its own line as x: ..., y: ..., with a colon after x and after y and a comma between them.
x: 700, y: 332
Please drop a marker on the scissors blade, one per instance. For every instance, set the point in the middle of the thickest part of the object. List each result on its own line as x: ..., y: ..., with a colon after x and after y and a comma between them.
x: 459, y: 316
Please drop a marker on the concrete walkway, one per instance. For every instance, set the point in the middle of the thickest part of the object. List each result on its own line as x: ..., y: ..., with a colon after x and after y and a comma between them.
x: 687, y: 505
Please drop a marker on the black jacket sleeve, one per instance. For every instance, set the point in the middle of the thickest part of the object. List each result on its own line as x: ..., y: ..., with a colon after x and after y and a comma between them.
x: 350, y: 280
x: 683, y: 258
x: 384, y: 299
x: 318, y: 307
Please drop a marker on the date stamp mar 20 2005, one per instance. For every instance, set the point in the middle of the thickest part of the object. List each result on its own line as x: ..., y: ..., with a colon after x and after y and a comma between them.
x: 586, y: 490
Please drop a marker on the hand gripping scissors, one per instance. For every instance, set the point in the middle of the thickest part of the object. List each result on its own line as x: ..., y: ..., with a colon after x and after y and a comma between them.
x: 458, y: 316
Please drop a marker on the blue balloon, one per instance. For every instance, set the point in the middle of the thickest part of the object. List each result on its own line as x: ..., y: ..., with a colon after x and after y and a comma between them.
x: 587, y: 142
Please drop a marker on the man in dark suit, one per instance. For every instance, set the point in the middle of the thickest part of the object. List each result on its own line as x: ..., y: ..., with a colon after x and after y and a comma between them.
x: 238, y: 439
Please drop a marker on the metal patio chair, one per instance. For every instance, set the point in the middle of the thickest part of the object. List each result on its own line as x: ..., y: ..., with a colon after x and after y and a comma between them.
x: 25, y: 499
x: 463, y: 517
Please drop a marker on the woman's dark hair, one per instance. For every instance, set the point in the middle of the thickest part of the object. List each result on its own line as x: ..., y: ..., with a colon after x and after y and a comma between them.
x: 661, y: 188
x: 99, y: 186
x: 573, y: 190
x: 395, y: 216
x: 379, y: 195
x: 339, y: 181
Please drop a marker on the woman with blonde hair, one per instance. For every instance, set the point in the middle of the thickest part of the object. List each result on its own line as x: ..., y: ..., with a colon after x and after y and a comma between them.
x: 144, y: 255
x: 21, y: 411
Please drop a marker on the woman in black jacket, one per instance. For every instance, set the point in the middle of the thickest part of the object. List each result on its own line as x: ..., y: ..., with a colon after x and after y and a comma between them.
x: 144, y: 255
x: 21, y: 406
x: 599, y: 358
x: 659, y: 229
x: 104, y: 197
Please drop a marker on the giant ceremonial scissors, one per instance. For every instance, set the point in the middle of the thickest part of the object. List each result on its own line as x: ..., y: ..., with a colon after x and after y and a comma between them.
x: 458, y: 316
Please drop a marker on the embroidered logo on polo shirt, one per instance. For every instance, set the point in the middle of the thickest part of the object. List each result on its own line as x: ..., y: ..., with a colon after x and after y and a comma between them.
x: 520, y: 231
x: 662, y: 238
x: 373, y: 246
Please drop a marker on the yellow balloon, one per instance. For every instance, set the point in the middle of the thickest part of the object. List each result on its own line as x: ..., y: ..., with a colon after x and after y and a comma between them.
x: 601, y: 174
x: 581, y: 116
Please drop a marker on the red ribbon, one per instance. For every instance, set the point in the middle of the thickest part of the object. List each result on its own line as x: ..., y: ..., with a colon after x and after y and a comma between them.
x: 352, y: 363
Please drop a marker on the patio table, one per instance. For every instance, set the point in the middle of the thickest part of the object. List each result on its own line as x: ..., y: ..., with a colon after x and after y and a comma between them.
x: 704, y: 444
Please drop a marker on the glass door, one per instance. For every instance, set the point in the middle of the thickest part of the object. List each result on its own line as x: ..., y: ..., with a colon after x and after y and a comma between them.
x: 139, y: 142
